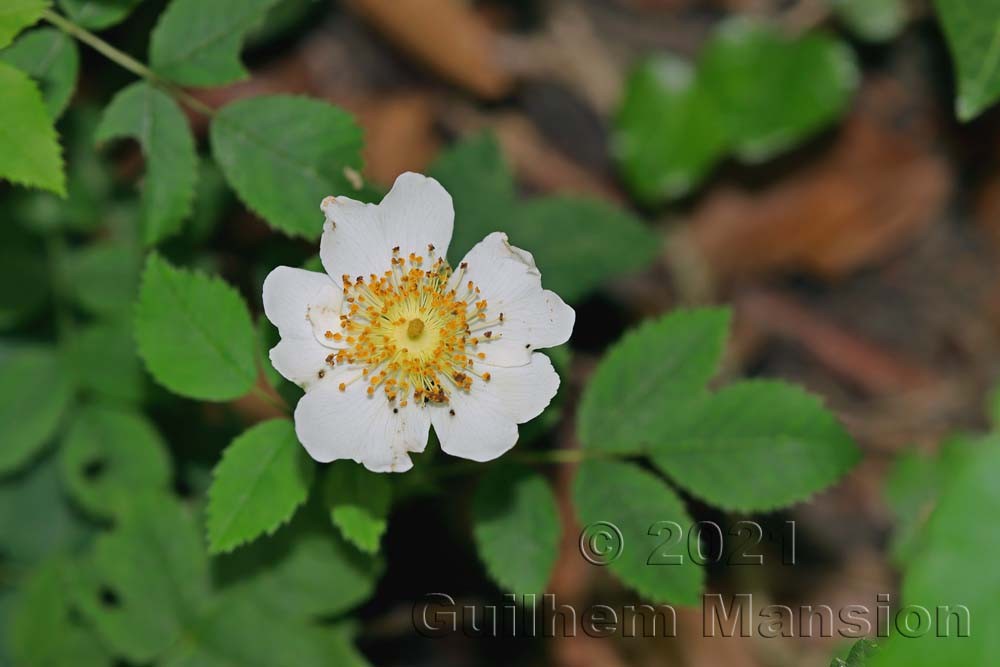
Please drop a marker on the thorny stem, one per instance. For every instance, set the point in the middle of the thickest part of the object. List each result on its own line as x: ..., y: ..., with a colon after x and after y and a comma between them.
x: 125, y: 61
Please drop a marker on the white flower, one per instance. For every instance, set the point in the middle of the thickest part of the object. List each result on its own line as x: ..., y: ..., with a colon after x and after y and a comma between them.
x: 394, y: 340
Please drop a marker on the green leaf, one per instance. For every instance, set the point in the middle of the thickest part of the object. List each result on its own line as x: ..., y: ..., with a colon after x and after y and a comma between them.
x: 230, y: 635
x: 197, y: 43
x: 31, y: 155
x: 862, y: 650
x: 98, y: 14
x: 912, y: 490
x: 304, y: 571
x: 950, y: 571
x: 104, y: 363
x: 651, y: 372
x: 481, y: 185
x: 194, y: 333
x: 155, y: 120
x: 755, y: 446
x: 21, y: 541
x: 143, y: 581
x: 30, y: 411
x: 108, y: 454
x: 90, y: 202
x: 579, y: 244
x: 15, y: 16
x: 24, y: 277
x: 359, y: 503
x: 516, y: 528
x: 638, y: 504
x: 103, y: 277
x: 972, y: 28
x: 44, y: 632
x: 263, y: 477
x: 669, y: 131
x: 283, y: 155
x: 774, y: 91
x: 243, y: 635
x: 873, y: 20
x: 50, y: 58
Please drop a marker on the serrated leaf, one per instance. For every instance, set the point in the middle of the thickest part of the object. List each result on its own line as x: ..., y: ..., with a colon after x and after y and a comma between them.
x: 481, y: 185
x: 773, y: 91
x: 90, y: 202
x: 944, y: 573
x: 44, y: 631
x: 755, y: 446
x: 50, y: 58
x: 579, y: 244
x: 873, y: 20
x: 972, y: 28
x: 31, y: 155
x: 143, y: 581
x: 283, y: 155
x: 634, y: 501
x: 194, y: 333
x: 263, y: 477
x: 197, y: 43
x: 103, y: 277
x: 516, y: 528
x: 16, y: 15
x: 30, y: 411
x: 669, y: 132
x: 304, y: 571
x: 154, y: 119
x: 98, y: 14
x: 359, y: 502
x: 109, y: 455
x: 656, y: 369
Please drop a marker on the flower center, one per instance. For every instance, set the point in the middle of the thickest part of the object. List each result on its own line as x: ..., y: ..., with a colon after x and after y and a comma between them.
x: 413, y: 337
x: 414, y: 329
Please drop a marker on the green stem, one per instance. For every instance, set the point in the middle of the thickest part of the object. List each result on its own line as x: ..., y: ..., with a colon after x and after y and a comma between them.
x: 125, y: 61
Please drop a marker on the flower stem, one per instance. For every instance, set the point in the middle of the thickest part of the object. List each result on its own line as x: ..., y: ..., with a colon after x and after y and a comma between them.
x: 125, y: 61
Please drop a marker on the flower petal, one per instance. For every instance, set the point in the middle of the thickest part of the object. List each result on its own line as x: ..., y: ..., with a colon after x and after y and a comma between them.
x: 484, y: 423
x: 511, y: 284
x: 416, y: 213
x: 301, y: 360
x: 358, y: 238
x: 333, y: 424
x: 290, y: 294
x: 352, y: 242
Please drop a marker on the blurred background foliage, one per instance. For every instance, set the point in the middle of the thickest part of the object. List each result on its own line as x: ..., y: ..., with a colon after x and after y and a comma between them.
x: 827, y: 168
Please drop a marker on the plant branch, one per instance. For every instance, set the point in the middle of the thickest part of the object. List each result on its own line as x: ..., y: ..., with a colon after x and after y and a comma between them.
x: 125, y: 61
